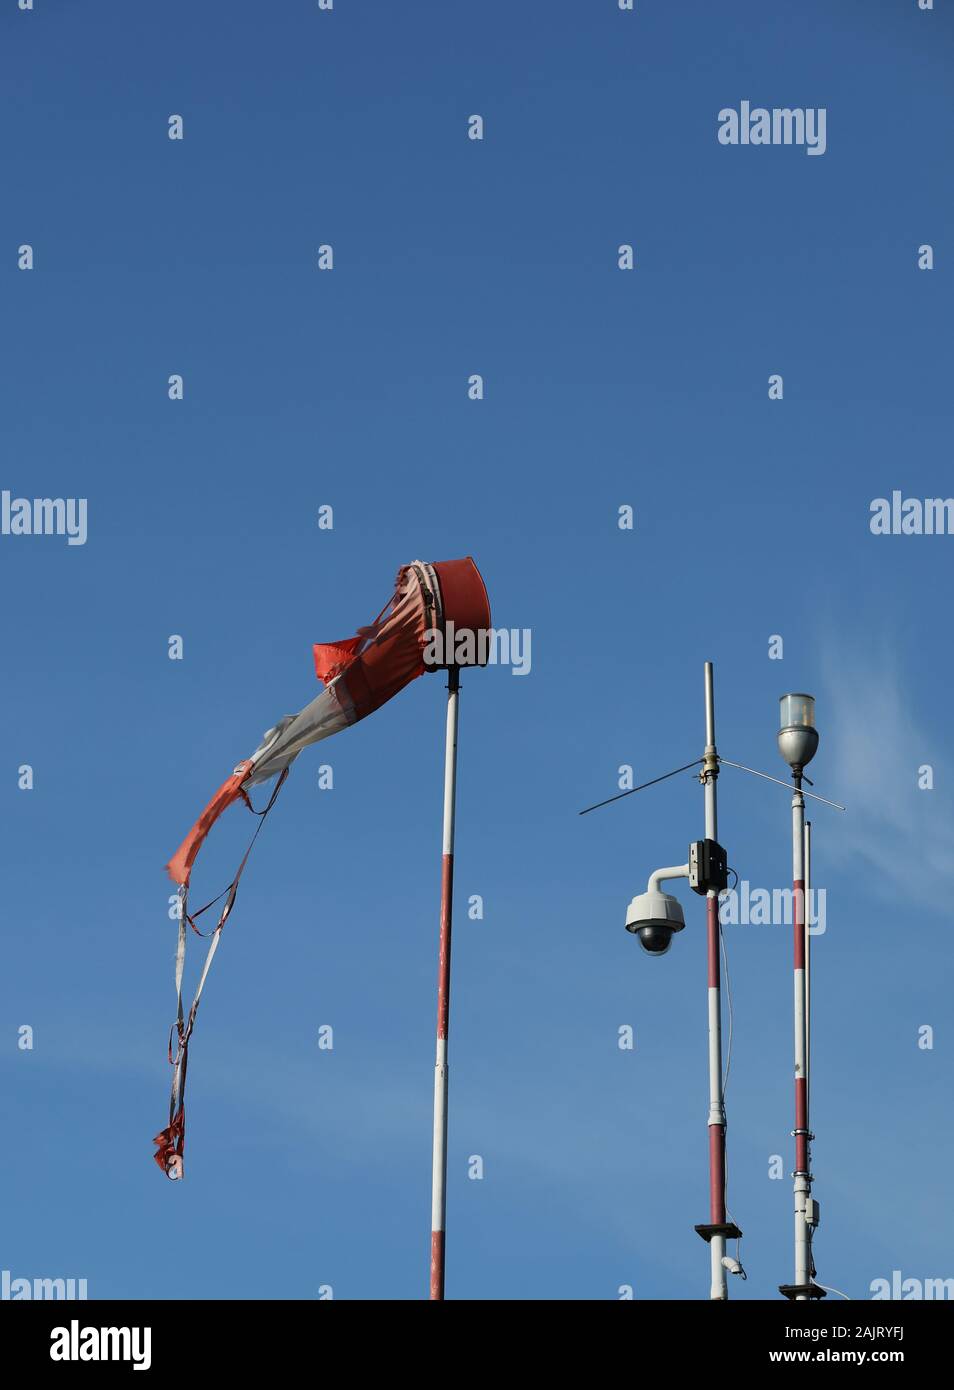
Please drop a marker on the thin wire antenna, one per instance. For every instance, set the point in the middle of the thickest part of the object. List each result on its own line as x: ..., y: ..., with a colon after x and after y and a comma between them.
x: 777, y: 780
x: 642, y: 787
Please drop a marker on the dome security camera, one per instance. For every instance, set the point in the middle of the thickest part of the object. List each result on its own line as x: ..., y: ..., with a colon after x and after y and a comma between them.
x: 654, y: 916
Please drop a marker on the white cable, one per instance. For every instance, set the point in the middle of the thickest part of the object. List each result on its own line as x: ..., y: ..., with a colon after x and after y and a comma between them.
x: 725, y: 1082
x: 728, y: 1000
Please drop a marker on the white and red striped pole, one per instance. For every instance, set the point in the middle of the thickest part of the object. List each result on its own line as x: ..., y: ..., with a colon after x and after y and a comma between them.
x: 802, y: 1174
x: 439, y: 1167
x: 718, y: 1283
x: 808, y: 967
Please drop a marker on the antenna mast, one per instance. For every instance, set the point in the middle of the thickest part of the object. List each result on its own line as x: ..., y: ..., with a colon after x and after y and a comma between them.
x: 718, y: 1229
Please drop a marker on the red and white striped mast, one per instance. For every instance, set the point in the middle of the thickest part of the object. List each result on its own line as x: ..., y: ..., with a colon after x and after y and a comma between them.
x: 797, y: 743
x: 654, y: 917
x: 439, y: 1163
x: 808, y: 966
x: 716, y: 1237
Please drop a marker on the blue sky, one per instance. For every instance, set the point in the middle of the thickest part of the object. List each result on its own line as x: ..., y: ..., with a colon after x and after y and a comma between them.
x: 602, y: 388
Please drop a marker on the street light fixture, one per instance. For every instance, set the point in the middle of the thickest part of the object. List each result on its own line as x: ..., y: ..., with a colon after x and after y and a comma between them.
x: 797, y: 735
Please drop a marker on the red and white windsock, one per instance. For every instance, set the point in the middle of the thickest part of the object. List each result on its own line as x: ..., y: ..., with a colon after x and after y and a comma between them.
x: 430, y: 602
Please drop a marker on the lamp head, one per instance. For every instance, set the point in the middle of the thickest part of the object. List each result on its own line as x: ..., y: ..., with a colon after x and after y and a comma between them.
x: 797, y: 735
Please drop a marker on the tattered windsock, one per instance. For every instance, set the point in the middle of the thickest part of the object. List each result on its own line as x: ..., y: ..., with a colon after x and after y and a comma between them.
x: 438, y: 616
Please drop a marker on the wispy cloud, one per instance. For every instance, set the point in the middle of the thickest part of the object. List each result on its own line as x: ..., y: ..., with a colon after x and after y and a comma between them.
x: 876, y: 741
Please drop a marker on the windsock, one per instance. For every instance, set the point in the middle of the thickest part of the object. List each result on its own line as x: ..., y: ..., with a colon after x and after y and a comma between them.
x: 416, y: 631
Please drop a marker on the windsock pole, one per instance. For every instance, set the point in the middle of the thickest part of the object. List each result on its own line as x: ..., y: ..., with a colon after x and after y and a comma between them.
x: 439, y: 1168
